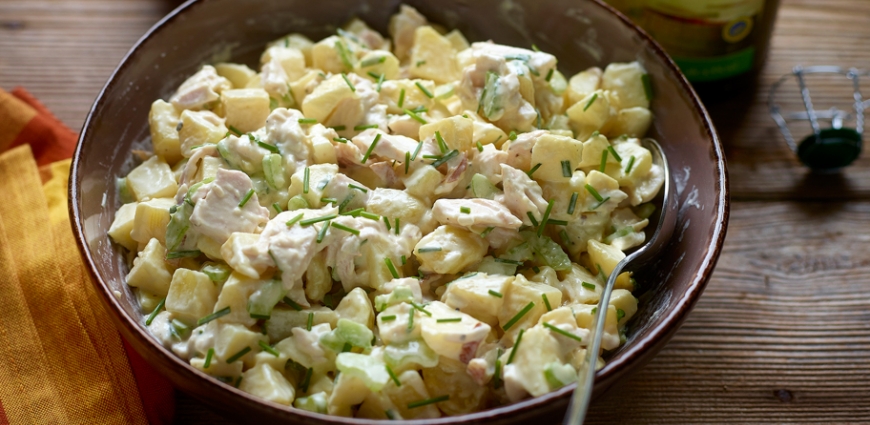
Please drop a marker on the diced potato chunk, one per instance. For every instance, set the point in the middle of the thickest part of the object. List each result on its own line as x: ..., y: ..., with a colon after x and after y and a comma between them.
x: 238, y: 74
x: 590, y: 114
x: 292, y: 60
x: 632, y: 122
x: 232, y: 339
x: 457, y: 340
x: 199, y: 128
x: 421, y: 183
x: 356, y: 307
x: 526, y: 374
x: 626, y: 79
x: 152, y: 179
x: 608, y: 257
x: 433, y: 57
x: 450, y: 377
x: 456, y: 131
x: 623, y: 301
x: 267, y: 383
x: 192, y: 295
x: 459, y: 249
x: 163, y: 122
x: 583, y: 84
x: 321, y: 103
x: 378, y: 62
x: 246, y: 109
x: 122, y: 225
x: 150, y: 271
x: 151, y: 219
x: 558, y: 156
x: 234, y: 294
x: 519, y: 294
x: 472, y: 296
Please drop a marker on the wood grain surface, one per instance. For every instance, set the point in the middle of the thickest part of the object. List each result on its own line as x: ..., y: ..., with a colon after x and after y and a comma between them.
x: 782, y: 333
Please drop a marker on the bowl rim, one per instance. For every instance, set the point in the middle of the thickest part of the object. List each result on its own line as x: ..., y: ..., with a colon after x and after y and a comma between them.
x: 670, y: 320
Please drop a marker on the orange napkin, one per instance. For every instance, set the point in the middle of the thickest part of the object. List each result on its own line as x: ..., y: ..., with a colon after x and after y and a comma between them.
x: 61, y: 360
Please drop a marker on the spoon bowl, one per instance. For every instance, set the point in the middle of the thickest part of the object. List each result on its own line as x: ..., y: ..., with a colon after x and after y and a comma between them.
x: 667, y: 218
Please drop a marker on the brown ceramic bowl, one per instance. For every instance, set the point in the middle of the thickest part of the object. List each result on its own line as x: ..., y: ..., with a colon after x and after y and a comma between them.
x: 581, y: 33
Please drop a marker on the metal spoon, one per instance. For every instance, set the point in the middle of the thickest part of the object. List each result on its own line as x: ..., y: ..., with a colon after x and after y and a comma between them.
x: 665, y: 228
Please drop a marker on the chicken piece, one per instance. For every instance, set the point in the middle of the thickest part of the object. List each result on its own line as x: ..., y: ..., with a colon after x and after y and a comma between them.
x: 475, y: 212
x: 189, y: 172
x: 218, y: 214
x: 489, y: 163
x: 392, y: 147
x: 200, y: 89
x: 274, y: 79
x: 522, y: 195
x: 284, y: 131
x: 402, y: 28
x: 520, y: 150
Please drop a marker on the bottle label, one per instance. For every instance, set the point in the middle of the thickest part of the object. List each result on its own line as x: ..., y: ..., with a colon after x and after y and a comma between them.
x: 709, y: 39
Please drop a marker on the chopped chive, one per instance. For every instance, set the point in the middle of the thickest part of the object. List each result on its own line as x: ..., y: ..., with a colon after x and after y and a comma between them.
x: 445, y: 158
x: 562, y: 332
x: 601, y: 272
x: 536, y: 269
x: 533, y: 70
x: 339, y: 128
x: 401, y: 98
x: 573, y: 203
x: 322, y: 233
x: 310, y: 221
x: 340, y: 139
x: 277, y: 208
x: 564, y: 235
x: 347, y: 347
x: 345, y: 202
x: 208, y: 357
x: 235, y: 131
x: 411, y: 320
x: 417, y: 150
x: 532, y: 218
x: 452, y: 319
x: 427, y: 402
x: 343, y: 54
x: 486, y: 231
x: 513, y: 135
x: 269, y: 349
x: 420, y: 308
x: 371, y: 148
x: 404, y: 260
x: 432, y: 156
x: 364, y: 127
x: 566, y: 168
x: 508, y: 261
x: 305, y: 181
x: 479, y: 146
x: 554, y: 222
x: 322, y: 184
x: 393, y: 376
x: 590, y: 102
x: 549, y: 74
x: 340, y: 226
x: 372, y: 61
x: 390, y: 415
x: 246, y: 198
x: 442, y: 145
x: 387, y: 223
x: 416, y: 117
x: 306, y: 381
x: 465, y: 210
x: 392, y: 268
x: 620, y: 313
x: 369, y: 215
x: 295, y: 219
x: 388, y: 318
x: 588, y: 286
x: 630, y: 165
x: 546, y: 302
x: 380, y: 81
x: 155, y: 312
x: 535, y: 48
x: 354, y: 213
x: 396, y: 227
x: 538, y: 118
x: 535, y: 168
x: 603, y: 160
x: 407, y: 161
x: 647, y: 86
x: 594, y: 193
x: 426, y: 249
x: 600, y: 203
x: 349, y: 84
x: 238, y: 355
x: 310, y: 322
x: 292, y: 304
x: 516, y: 344
x: 518, y: 316
x: 423, y: 89
x: 359, y: 188
x: 495, y: 293
x: 307, y: 120
x: 496, y: 377
x: 546, y: 217
x: 220, y: 313
x: 468, y: 276
x: 613, y: 152
x: 268, y: 147
x: 182, y: 254
x: 329, y: 200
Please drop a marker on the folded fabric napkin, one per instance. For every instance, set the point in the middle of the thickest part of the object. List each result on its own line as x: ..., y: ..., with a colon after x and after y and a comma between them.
x: 61, y: 360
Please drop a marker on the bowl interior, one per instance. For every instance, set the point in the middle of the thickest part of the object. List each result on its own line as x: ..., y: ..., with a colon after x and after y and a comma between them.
x: 579, y: 33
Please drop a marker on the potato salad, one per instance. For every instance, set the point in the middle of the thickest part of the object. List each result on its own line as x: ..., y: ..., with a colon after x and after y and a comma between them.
x: 397, y: 228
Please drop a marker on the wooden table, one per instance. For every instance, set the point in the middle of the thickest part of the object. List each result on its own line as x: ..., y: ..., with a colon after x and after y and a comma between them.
x: 782, y: 333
